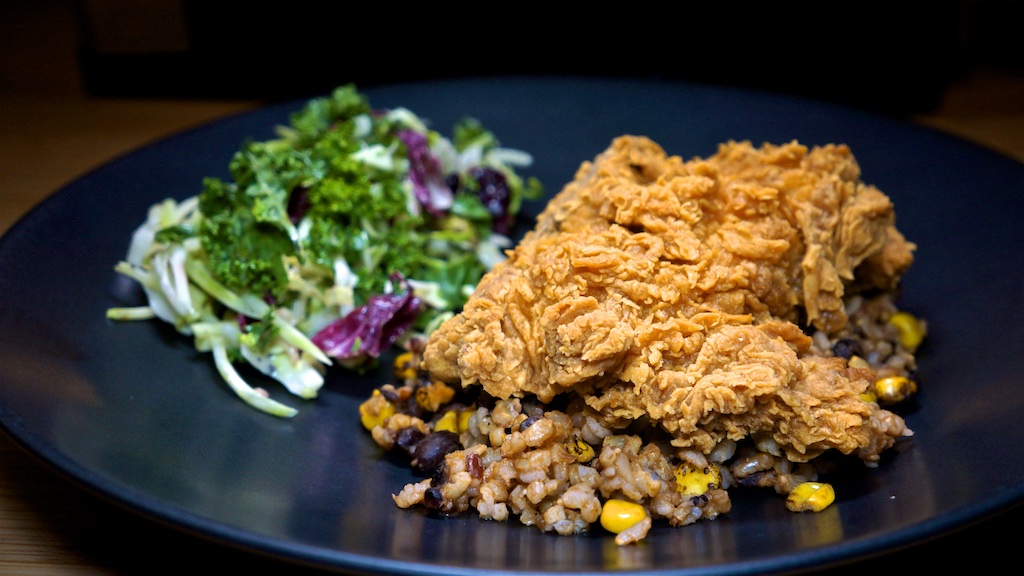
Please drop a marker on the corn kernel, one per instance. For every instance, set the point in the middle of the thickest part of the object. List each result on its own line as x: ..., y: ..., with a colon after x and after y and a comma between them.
x: 912, y: 330
x: 403, y: 367
x: 869, y: 396
x: 692, y: 481
x: 448, y: 421
x: 618, y: 515
x: 894, y: 389
x: 464, y: 420
x: 857, y: 362
x: 810, y: 497
x: 375, y: 410
x: 434, y: 395
x: 584, y: 452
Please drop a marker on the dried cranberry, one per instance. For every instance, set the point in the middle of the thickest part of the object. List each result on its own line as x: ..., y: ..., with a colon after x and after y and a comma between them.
x: 453, y: 181
x: 474, y: 465
x: 298, y: 204
x: 493, y: 191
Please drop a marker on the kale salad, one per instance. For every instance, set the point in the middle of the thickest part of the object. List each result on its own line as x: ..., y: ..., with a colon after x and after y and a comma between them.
x: 352, y: 230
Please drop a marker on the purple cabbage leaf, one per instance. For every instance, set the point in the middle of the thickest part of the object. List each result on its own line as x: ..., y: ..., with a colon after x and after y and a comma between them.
x: 371, y: 328
x: 425, y: 172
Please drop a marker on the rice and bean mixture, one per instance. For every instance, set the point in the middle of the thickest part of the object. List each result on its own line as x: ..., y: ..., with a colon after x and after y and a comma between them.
x: 556, y: 467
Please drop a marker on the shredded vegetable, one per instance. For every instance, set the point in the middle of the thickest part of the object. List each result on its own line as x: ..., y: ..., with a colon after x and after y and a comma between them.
x: 351, y: 231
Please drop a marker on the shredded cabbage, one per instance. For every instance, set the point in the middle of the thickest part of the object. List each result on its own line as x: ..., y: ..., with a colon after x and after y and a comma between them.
x: 351, y: 232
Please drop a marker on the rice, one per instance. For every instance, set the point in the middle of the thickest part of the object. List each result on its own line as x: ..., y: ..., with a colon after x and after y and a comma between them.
x: 555, y: 466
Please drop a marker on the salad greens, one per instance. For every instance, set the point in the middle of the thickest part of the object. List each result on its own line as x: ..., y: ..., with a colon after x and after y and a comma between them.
x: 350, y: 232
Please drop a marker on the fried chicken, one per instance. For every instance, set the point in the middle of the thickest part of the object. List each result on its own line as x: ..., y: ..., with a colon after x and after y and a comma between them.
x: 682, y: 292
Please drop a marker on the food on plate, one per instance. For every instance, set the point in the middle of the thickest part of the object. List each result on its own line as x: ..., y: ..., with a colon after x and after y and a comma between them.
x: 351, y: 230
x: 670, y: 330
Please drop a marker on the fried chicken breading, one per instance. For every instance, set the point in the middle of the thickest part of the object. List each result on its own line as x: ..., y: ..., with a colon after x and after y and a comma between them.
x: 679, y: 292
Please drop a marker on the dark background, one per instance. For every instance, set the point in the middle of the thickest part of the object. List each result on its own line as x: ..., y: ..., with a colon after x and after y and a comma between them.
x: 894, y: 58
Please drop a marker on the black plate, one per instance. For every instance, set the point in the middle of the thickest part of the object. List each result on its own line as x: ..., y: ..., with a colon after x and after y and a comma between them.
x: 132, y: 412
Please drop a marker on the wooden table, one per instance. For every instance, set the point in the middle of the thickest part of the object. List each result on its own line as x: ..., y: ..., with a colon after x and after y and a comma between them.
x: 50, y: 526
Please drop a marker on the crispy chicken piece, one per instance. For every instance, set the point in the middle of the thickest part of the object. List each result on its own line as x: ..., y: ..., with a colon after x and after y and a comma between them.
x: 674, y: 291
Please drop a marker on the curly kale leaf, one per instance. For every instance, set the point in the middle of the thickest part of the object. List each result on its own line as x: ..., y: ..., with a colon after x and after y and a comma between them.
x: 243, y: 251
x: 323, y: 114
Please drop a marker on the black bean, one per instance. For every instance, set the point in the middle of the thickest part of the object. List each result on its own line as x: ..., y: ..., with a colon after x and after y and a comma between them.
x: 526, y: 423
x: 756, y: 480
x: 408, y: 438
x: 429, y: 452
x: 847, y: 348
x: 433, y: 498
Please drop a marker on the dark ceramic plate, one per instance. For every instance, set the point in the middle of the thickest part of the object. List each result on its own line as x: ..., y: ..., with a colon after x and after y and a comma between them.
x: 132, y: 412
